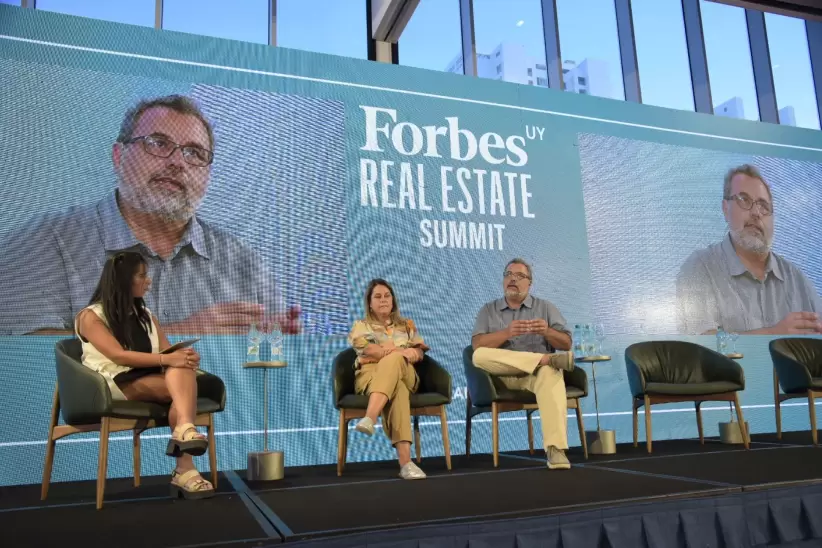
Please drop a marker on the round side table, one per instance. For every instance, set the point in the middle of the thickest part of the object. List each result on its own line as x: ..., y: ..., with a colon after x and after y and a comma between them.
x: 265, y: 465
x: 600, y: 442
x: 729, y: 432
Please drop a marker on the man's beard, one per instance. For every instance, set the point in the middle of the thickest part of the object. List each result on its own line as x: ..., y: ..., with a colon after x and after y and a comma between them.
x: 751, y: 241
x: 169, y: 205
x: 514, y: 293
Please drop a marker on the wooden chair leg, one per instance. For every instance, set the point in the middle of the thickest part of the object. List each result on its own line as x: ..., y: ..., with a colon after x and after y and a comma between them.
x: 48, y: 464
x: 776, y: 405
x: 636, y: 422
x: 417, y: 439
x: 812, y: 411
x: 136, y: 457
x: 581, y: 427
x: 102, y: 461
x: 530, y: 432
x: 468, y: 428
x: 446, y: 445
x: 345, y: 443
x: 212, y: 450
x: 343, y: 430
x: 648, y: 423
x: 699, y: 422
x: 746, y: 437
x: 495, y: 432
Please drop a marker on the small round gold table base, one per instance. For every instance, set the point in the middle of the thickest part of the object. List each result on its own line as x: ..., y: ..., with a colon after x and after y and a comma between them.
x: 730, y: 433
x: 601, y: 442
x: 266, y: 466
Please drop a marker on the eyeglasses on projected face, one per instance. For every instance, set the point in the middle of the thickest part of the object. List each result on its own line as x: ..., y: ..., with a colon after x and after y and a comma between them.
x: 158, y: 145
x: 518, y: 276
x: 747, y: 203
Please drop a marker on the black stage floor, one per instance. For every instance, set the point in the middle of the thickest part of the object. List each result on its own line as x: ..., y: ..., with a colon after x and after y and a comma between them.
x: 313, y: 503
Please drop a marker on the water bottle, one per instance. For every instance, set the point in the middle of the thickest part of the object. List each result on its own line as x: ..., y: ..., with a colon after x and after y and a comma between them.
x: 254, y: 339
x: 578, y: 342
x: 721, y: 340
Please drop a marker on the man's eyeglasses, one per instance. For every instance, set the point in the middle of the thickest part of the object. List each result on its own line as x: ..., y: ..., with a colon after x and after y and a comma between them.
x: 747, y: 203
x: 163, y: 147
x: 519, y: 276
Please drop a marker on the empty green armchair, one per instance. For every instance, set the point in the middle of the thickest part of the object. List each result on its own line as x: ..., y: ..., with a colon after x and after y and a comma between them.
x: 433, y: 394
x: 486, y: 394
x: 83, y: 399
x: 797, y: 369
x: 680, y: 371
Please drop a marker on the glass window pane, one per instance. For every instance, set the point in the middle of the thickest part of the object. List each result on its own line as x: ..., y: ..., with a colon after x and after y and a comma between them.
x: 432, y: 39
x: 792, y: 76
x: 729, y: 60
x: 338, y: 27
x: 135, y: 12
x: 12, y: 2
x: 510, y: 43
x: 662, y: 54
x: 247, y: 21
x: 588, y: 40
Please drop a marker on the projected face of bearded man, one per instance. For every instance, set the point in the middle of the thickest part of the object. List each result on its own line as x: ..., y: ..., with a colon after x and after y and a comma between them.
x: 749, y: 213
x: 163, y: 167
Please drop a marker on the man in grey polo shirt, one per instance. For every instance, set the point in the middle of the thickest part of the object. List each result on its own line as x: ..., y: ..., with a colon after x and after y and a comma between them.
x: 204, y: 280
x: 516, y: 338
x: 739, y: 283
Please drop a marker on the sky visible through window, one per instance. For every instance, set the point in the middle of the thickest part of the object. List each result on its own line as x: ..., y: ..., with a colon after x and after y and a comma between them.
x: 510, y: 45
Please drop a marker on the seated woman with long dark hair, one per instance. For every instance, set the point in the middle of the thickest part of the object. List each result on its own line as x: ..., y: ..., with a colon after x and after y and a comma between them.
x: 122, y: 341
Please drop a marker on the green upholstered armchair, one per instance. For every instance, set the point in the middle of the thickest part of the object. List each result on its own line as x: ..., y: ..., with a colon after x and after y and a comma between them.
x: 797, y: 368
x: 433, y: 394
x: 83, y: 399
x: 488, y: 395
x: 680, y: 371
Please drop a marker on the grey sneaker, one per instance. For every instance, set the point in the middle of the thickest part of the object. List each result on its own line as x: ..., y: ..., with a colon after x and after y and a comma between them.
x: 557, y: 459
x: 411, y: 472
x: 564, y: 361
x: 366, y: 426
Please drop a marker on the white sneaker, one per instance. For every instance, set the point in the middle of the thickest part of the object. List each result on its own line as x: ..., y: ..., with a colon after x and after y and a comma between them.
x: 411, y: 472
x: 366, y: 426
x: 557, y: 459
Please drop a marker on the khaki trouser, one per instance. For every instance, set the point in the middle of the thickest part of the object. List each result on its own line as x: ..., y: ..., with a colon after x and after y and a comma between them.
x: 397, y: 379
x: 516, y: 371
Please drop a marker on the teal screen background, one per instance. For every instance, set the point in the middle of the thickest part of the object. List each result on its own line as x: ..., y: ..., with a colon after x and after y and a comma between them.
x: 619, y: 195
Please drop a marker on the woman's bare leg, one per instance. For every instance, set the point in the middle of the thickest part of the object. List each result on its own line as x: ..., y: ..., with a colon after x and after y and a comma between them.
x: 376, y: 403
x: 181, y: 384
x: 154, y: 388
x: 403, y: 452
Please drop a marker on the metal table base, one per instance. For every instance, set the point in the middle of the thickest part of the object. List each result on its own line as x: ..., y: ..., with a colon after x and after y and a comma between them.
x: 600, y: 442
x: 265, y: 465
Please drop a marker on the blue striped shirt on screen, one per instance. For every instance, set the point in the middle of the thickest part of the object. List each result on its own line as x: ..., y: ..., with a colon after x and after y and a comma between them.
x: 51, y: 266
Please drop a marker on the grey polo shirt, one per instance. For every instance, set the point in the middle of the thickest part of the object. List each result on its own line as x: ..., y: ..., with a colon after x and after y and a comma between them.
x: 497, y: 315
x: 50, y: 267
x: 714, y: 288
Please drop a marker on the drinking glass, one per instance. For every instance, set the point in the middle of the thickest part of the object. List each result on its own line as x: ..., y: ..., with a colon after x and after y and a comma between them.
x: 599, y: 333
x: 733, y: 336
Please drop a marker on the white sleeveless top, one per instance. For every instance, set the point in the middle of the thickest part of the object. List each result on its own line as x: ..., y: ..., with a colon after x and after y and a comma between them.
x: 97, y: 361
